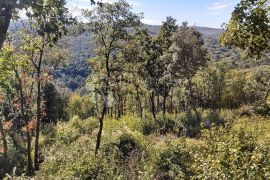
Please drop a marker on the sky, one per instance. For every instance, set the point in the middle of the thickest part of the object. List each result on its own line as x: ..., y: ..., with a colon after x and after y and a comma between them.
x: 207, y: 13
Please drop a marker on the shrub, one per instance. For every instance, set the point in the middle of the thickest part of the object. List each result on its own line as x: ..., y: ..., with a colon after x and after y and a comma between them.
x: 166, y: 124
x: 231, y: 155
x: 128, y: 144
x: 190, y: 125
x: 245, y: 111
x: 173, y: 162
x: 81, y: 106
x: 212, y: 117
x: 149, y: 126
x: 262, y: 108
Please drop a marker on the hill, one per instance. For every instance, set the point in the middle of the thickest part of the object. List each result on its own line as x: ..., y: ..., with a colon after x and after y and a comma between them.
x: 74, y: 74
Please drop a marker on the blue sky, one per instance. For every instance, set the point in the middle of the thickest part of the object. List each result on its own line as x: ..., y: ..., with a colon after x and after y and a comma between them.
x: 209, y: 13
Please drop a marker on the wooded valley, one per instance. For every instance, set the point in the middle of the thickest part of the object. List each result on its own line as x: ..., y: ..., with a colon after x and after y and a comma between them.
x: 110, y: 97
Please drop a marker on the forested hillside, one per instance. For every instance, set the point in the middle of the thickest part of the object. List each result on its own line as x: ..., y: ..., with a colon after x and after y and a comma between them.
x: 77, y: 69
x: 74, y: 74
x: 113, y: 98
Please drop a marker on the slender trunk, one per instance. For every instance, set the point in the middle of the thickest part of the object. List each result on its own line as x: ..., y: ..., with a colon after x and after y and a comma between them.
x: 139, y: 103
x: 197, y: 123
x: 171, y: 105
x: 38, y: 112
x: 157, y: 109
x: 119, y: 106
x: 266, y: 94
x: 164, y: 104
x: 7, y: 166
x: 38, y: 116
x: 105, y: 103
x: 152, y: 99
x: 101, y: 119
x: 23, y: 116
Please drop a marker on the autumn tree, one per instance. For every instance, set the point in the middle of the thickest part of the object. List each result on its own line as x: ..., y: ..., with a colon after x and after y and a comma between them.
x: 47, y: 24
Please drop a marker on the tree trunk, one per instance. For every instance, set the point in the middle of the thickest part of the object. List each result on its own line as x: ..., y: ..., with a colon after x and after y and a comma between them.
x: 266, y: 94
x: 38, y: 112
x: 38, y: 118
x: 105, y: 102
x: 152, y: 101
x: 157, y: 109
x: 198, y: 121
x: 171, y: 105
x: 101, y: 119
x: 23, y: 116
x: 139, y: 103
x: 164, y: 104
x: 6, y: 13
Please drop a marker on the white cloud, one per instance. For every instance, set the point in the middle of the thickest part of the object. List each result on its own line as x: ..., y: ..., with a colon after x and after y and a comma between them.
x: 218, y: 6
x: 86, y: 3
x: 151, y: 21
x: 132, y: 2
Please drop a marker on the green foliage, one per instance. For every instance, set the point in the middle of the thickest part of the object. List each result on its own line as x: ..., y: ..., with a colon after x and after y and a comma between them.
x: 249, y: 27
x: 81, y: 106
x: 173, y: 162
x: 166, y: 124
x: 128, y: 144
x: 189, y: 124
x: 262, y: 108
x: 232, y: 155
x: 149, y: 126
x: 55, y: 104
x: 212, y: 117
x: 245, y: 111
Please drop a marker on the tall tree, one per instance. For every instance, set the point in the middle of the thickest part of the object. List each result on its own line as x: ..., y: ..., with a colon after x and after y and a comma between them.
x: 163, y: 42
x: 10, y: 8
x: 47, y: 24
x: 110, y: 24
x: 249, y: 27
x: 188, y: 57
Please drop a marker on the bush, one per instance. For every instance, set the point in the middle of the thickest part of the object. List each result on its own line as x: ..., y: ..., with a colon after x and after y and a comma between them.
x: 149, y: 126
x: 231, y: 155
x: 166, y: 124
x: 173, y: 162
x: 126, y: 145
x: 262, y: 108
x: 83, y: 107
x: 245, y: 111
x: 189, y: 124
x: 212, y: 117
x: 76, y: 161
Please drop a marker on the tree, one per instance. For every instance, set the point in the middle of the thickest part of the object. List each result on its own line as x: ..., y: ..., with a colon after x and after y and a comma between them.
x: 47, y: 24
x: 188, y: 57
x: 55, y: 104
x: 163, y: 42
x: 9, y: 8
x: 110, y: 25
x: 249, y: 27
x: 15, y: 67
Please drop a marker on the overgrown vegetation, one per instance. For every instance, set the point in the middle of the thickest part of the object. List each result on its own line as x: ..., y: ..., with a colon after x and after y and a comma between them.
x: 159, y: 103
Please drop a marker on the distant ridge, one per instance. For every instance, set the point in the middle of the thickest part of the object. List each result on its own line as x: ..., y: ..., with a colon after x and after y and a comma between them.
x: 204, y: 30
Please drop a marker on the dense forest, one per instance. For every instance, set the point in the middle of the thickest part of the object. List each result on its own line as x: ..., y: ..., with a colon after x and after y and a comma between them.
x: 113, y: 98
